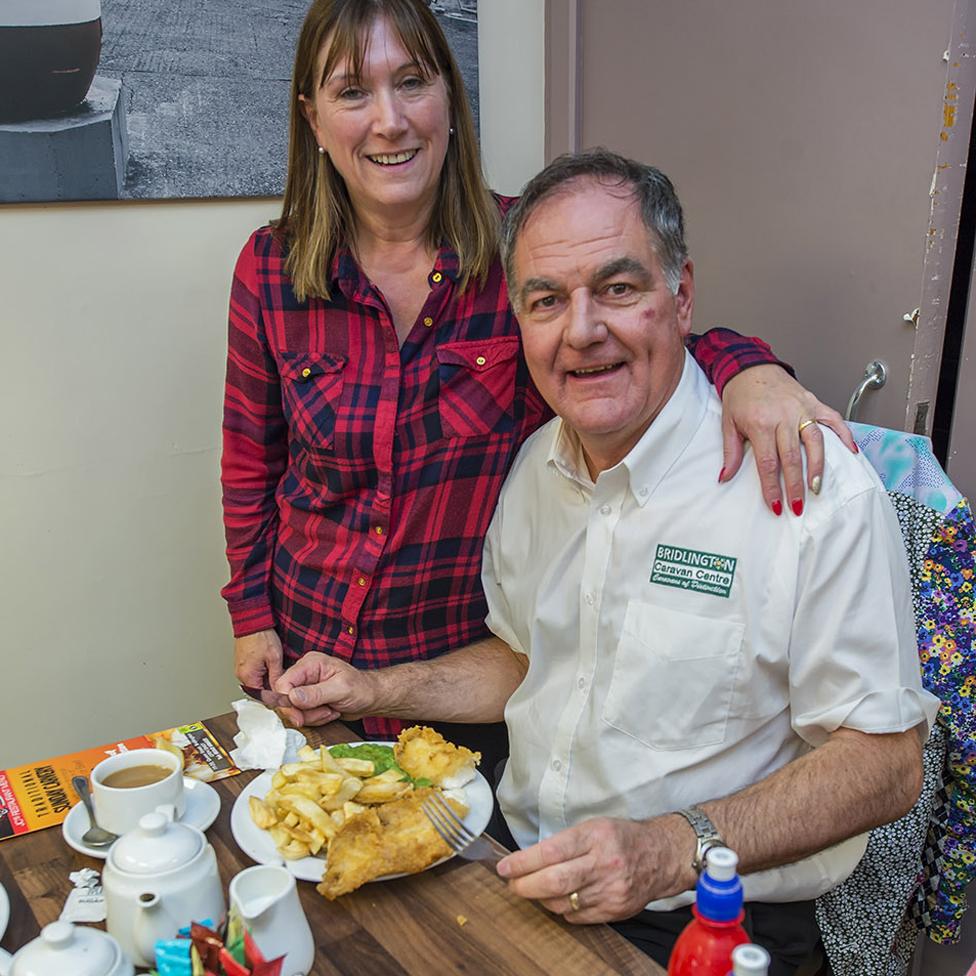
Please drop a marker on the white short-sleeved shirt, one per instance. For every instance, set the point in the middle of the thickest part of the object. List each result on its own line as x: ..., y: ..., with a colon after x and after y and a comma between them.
x: 684, y: 642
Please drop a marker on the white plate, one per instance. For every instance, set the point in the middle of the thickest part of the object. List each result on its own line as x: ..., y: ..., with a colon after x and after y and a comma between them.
x: 257, y: 844
x: 4, y: 910
x: 202, y: 807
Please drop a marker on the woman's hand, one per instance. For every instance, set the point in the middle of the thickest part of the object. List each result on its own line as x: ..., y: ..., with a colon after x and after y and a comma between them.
x: 765, y: 406
x: 258, y: 665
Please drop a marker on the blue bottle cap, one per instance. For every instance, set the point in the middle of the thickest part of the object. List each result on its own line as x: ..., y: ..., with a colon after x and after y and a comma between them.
x: 718, y: 894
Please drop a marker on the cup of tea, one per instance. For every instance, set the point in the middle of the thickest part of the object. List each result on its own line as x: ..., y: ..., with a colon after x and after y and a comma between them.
x: 130, y: 784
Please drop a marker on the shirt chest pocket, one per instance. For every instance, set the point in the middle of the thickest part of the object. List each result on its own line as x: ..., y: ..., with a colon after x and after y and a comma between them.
x: 673, y: 677
x: 311, y: 388
x: 476, y: 386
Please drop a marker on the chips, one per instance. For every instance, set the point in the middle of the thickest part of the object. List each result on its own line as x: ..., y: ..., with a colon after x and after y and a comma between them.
x: 309, y: 800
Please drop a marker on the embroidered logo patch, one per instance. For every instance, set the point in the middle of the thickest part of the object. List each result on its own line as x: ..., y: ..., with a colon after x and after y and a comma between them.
x: 691, y: 569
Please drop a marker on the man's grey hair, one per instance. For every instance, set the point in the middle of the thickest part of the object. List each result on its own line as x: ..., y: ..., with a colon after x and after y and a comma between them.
x: 653, y: 193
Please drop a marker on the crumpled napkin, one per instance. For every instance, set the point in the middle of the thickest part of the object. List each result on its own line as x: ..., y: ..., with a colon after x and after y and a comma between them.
x: 85, y: 878
x: 86, y: 900
x: 263, y: 742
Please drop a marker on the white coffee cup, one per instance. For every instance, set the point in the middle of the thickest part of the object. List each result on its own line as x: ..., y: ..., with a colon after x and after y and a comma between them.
x: 118, y: 808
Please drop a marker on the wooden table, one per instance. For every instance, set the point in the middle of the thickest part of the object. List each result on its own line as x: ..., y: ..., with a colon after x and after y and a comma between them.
x: 392, y: 928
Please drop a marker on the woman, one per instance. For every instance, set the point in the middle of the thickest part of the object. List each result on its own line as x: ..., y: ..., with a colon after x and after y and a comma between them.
x: 376, y: 392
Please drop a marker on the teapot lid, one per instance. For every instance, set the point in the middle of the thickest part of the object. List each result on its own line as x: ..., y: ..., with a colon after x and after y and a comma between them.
x: 63, y: 948
x: 156, y: 845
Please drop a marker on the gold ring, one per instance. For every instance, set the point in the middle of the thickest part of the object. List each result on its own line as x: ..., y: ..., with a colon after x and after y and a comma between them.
x: 574, y: 901
x: 805, y: 423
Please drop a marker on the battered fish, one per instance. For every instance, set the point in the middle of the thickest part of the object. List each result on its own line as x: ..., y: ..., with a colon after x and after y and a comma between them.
x: 426, y: 754
x: 392, y: 838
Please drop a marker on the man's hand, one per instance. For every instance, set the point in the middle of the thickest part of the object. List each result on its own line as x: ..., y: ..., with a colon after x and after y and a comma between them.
x: 320, y: 688
x: 258, y: 665
x: 615, y: 867
x: 765, y: 406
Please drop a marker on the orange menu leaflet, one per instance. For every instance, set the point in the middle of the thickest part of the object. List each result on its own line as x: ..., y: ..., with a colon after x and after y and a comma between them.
x: 40, y: 794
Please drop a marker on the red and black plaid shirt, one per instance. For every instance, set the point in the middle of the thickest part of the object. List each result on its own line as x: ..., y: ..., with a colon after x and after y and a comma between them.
x: 359, y: 476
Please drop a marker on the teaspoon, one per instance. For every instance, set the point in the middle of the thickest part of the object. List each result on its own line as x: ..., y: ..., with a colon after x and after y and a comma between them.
x: 95, y: 836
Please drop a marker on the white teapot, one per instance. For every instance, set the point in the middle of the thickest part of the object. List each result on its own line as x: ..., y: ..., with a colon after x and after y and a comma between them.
x: 61, y: 948
x: 158, y: 878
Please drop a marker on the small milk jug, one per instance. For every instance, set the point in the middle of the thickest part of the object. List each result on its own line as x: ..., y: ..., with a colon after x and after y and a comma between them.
x: 266, y: 898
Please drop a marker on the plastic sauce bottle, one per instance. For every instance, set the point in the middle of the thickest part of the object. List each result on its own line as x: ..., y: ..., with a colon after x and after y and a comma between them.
x: 749, y: 960
x: 705, y: 946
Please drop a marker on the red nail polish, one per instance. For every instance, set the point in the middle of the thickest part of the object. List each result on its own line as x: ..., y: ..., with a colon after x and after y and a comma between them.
x: 777, y: 507
x: 857, y: 450
x: 797, y: 506
x: 721, y: 475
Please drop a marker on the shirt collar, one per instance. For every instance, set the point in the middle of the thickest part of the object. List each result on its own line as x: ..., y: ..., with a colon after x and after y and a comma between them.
x: 654, y: 454
x: 447, y: 263
x: 566, y: 454
x: 344, y: 269
x: 345, y: 273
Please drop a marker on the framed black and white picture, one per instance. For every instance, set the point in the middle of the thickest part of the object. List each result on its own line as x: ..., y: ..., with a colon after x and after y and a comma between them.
x: 159, y: 99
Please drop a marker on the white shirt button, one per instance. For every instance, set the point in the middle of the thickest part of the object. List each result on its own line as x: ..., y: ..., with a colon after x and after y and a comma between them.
x: 589, y: 599
x: 642, y: 491
x: 581, y: 683
x: 605, y: 509
x: 557, y: 765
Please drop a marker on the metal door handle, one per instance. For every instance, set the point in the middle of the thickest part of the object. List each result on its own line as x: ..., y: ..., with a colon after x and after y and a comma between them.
x: 875, y: 377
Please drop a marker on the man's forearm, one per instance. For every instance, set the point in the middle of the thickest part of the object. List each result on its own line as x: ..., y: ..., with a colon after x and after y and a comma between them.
x: 469, y: 685
x: 852, y: 783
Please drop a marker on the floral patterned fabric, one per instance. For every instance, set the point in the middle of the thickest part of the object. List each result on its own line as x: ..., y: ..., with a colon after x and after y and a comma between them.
x: 876, y: 941
x: 870, y: 922
x: 947, y: 625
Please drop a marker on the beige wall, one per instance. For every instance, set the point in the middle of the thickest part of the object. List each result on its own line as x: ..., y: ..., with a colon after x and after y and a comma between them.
x: 511, y: 65
x: 112, y: 330
x: 112, y: 337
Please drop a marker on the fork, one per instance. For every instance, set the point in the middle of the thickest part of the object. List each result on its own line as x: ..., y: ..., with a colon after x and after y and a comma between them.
x: 455, y: 834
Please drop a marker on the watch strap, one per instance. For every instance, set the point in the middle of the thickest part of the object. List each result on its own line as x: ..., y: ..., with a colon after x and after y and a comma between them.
x: 706, y: 834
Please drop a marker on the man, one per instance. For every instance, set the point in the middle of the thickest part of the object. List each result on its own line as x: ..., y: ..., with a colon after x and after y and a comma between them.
x: 676, y: 669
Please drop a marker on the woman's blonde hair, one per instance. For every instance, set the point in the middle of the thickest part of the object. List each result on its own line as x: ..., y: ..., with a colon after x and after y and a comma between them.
x: 317, y: 214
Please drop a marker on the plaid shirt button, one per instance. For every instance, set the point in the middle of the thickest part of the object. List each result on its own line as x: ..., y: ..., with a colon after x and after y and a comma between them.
x: 428, y: 321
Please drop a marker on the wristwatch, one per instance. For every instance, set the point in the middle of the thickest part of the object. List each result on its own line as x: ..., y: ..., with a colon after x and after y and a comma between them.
x: 706, y: 833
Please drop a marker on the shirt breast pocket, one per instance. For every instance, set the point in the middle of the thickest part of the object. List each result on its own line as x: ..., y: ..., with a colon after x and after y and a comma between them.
x: 311, y: 388
x: 477, y: 386
x: 673, y: 677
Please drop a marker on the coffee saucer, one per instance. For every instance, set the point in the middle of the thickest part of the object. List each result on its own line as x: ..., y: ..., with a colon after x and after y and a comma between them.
x: 4, y: 910
x: 202, y: 807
